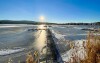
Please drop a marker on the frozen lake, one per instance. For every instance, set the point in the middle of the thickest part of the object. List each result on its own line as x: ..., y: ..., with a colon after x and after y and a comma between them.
x: 16, y: 40
x: 73, y: 32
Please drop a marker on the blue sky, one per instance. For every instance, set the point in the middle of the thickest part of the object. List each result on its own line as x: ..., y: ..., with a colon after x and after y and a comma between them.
x: 60, y: 11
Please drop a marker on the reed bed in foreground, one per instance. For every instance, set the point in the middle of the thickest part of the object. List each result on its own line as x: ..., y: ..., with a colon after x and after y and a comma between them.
x: 92, y: 49
x: 90, y: 53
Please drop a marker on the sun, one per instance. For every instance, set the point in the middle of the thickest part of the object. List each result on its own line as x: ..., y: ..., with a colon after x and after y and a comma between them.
x: 42, y: 18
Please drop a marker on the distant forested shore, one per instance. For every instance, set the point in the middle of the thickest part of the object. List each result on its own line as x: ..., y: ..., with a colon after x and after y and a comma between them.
x: 38, y: 23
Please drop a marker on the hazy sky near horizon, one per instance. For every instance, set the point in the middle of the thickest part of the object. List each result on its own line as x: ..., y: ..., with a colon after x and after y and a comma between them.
x: 53, y: 10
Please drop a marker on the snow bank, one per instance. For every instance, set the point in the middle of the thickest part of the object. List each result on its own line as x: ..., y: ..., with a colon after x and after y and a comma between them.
x: 78, y: 52
x: 10, y: 51
x: 58, y: 36
x: 8, y: 26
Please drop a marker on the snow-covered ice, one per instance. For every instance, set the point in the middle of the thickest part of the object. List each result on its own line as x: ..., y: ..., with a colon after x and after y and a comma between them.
x: 10, y: 51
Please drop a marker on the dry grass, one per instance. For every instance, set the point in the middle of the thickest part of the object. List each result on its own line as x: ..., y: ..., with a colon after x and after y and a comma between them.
x: 32, y: 58
x: 91, y: 47
x: 10, y: 60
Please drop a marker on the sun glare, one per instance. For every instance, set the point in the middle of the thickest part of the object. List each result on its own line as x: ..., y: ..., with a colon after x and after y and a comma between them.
x: 42, y: 18
x: 41, y: 26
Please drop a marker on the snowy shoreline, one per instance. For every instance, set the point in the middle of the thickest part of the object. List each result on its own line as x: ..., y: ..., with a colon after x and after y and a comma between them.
x: 67, y: 56
x: 78, y: 51
x: 10, y: 51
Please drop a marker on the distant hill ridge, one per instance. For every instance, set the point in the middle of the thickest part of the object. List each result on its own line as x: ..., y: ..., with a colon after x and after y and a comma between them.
x: 17, y: 22
x: 36, y: 23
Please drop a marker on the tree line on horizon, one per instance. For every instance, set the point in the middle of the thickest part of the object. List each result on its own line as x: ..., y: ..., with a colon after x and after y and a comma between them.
x: 38, y: 23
